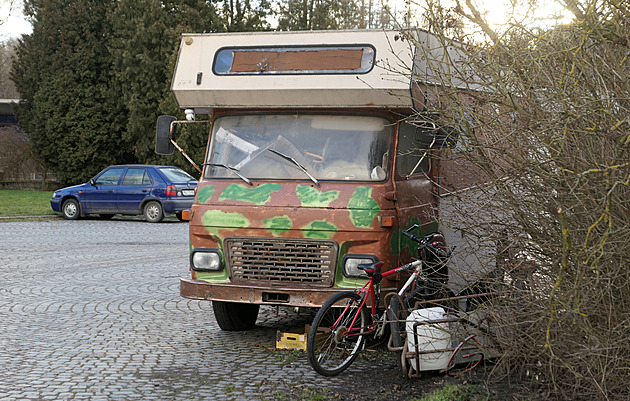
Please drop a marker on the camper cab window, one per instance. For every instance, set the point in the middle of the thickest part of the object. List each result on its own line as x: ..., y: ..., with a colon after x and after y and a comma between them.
x: 343, y: 59
x: 328, y: 147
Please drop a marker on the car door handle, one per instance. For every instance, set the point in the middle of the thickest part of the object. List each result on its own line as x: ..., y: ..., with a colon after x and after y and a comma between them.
x: 144, y: 190
x: 110, y: 191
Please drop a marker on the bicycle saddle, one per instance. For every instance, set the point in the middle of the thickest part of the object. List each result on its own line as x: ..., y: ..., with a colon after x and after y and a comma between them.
x: 371, y: 268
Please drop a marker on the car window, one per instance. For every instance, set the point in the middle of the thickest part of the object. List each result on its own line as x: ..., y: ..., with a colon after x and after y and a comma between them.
x: 177, y: 174
x: 109, y: 177
x: 136, y: 176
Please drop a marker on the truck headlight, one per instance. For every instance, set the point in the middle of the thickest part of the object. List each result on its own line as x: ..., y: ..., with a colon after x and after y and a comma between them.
x: 350, y: 263
x: 205, y: 260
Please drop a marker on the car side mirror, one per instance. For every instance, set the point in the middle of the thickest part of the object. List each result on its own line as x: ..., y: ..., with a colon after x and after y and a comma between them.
x: 163, y: 135
x: 92, y: 182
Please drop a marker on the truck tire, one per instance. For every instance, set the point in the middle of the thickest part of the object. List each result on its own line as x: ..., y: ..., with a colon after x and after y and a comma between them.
x: 232, y: 316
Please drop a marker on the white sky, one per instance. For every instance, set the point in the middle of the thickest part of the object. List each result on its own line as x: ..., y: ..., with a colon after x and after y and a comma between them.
x: 499, y: 12
x: 12, y: 21
x: 13, y: 24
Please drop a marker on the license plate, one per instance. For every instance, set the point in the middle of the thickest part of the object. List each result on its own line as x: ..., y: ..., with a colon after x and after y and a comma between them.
x: 188, y: 192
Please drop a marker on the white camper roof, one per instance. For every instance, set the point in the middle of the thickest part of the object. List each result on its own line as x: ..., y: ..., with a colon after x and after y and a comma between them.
x: 361, y: 68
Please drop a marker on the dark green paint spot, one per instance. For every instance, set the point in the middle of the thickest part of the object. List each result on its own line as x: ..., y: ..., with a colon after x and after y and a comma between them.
x: 278, y: 225
x: 257, y: 195
x: 312, y: 197
x: 205, y: 193
x: 319, y: 229
x: 363, y: 208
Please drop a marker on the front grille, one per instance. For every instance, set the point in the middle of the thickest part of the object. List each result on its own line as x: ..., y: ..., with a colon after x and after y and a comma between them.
x: 279, y: 260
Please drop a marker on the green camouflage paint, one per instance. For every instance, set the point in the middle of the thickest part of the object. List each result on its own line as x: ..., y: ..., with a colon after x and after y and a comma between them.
x: 205, y: 193
x: 278, y: 225
x: 312, y: 197
x: 319, y: 229
x: 216, y: 220
x: 257, y: 195
x: 363, y: 208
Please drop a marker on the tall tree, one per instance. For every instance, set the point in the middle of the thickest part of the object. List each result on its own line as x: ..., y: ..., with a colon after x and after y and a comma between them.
x: 321, y: 14
x: 141, y: 44
x: 63, y: 74
x: 244, y: 15
x: 7, y: 87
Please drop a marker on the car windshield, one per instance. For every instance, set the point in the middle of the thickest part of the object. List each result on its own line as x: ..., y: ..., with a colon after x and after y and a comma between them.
x: 315, y: 147
x: 176, y: 174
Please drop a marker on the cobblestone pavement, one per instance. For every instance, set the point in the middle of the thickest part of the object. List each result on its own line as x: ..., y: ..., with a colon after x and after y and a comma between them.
x: 90, y: 309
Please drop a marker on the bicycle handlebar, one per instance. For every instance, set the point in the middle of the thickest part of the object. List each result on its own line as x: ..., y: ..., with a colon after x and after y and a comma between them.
x: 425, y: 242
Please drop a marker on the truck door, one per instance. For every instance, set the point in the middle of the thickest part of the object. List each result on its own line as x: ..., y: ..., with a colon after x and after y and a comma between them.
x: 416, y: 200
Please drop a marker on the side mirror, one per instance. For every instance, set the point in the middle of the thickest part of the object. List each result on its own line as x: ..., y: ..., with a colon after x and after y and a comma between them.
x: 428, y: 134
x: 446, y: 137
x: 163, y: 145
x: 92, y: 182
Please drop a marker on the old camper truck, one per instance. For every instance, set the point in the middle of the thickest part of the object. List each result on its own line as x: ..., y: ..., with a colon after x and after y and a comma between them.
x: 316, y: 161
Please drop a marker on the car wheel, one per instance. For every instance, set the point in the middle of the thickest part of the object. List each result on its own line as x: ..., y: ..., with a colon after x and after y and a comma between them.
x: 70, y: 209
x: 153, y: 212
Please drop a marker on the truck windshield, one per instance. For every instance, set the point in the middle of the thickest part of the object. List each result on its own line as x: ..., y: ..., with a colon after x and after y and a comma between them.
x: 328, y: 147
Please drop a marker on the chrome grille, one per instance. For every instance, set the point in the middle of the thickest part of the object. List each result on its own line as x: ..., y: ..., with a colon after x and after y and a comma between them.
x: 309, y: 262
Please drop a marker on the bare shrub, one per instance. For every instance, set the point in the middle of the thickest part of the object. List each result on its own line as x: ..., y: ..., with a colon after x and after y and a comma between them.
x: 545, y: 120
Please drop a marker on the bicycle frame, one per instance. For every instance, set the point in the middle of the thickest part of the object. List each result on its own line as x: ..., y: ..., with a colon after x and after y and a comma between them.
x: 369, y: 289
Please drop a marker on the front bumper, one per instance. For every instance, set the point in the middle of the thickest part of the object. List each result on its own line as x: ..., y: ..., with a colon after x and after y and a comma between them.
x: 55, y: 205
x: 201, y: 290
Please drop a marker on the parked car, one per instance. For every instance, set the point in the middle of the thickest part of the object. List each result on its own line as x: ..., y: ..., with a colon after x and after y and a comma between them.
x: 129, y: 189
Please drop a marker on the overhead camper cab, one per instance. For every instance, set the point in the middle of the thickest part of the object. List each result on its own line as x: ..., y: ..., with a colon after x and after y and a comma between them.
x: 318, y: 157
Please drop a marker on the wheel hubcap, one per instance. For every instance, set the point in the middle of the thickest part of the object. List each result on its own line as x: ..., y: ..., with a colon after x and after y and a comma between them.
x: 71, y: 209
x: 152, y: 212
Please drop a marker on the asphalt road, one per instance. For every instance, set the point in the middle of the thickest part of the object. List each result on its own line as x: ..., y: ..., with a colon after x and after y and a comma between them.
x: 91, y: 310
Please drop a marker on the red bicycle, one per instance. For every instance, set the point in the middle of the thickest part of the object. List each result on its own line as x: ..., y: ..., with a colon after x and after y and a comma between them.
x: 345, y: 321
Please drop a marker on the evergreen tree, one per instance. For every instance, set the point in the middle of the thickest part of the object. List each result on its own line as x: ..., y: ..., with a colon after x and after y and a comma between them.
x: 95, y: 74
x: 142, y: 42
x: 63, y: 73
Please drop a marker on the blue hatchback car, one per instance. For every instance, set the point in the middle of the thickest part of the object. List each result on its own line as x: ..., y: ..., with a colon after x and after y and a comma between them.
x: 129, y: 189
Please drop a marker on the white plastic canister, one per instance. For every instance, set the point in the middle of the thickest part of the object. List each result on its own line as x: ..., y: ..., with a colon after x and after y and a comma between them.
x: 429, y: 337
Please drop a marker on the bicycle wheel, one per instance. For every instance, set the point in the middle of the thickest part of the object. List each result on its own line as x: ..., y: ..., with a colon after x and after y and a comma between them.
x: 464, y: 359
x: 398, y: 313
x: 334, y: 341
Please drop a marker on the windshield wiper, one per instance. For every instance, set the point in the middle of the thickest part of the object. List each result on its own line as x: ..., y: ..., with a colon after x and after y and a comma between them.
x: 235, y: 171
x: 292, y: 160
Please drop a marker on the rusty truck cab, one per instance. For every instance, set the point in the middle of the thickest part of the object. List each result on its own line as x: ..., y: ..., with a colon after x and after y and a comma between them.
x: 315, y: 163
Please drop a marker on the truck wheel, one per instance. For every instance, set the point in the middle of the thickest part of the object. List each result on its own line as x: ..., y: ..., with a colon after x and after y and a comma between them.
x: 233, y: 316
